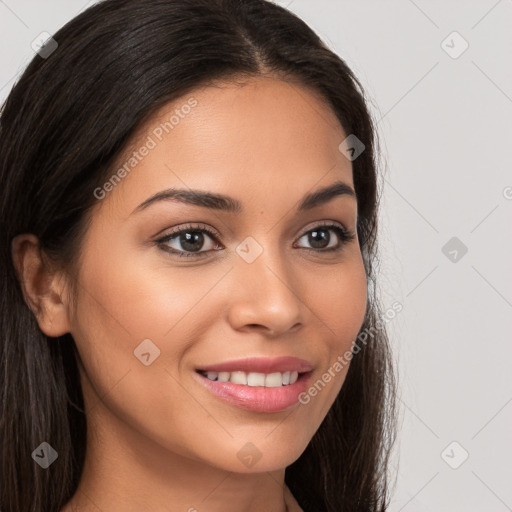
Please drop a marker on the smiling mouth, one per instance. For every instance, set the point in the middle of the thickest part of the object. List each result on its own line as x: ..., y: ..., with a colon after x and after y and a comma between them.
x: 254, y: 379
x: 256, y: 391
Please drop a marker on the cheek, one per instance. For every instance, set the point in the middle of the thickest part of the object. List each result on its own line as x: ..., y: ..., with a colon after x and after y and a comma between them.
x: 127, y: 307
x: 122, y: 305
x: 338, y: 298
x: 134, y: 299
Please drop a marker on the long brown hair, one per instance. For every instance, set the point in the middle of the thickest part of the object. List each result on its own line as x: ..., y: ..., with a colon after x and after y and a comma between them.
x: 66, y: 120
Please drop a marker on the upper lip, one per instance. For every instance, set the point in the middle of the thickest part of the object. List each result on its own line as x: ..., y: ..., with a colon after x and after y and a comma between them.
x: 261, y: 365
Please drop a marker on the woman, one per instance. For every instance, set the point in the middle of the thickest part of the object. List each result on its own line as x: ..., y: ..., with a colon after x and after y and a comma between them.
x: 188, y: 215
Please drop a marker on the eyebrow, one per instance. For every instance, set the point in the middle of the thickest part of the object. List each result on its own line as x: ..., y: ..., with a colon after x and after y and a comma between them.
x: 228, y: 204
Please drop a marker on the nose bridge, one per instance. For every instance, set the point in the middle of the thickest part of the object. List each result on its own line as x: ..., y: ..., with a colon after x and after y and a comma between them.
x: 266, y: 292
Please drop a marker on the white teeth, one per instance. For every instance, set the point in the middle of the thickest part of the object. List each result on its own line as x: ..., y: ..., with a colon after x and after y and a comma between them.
x: 238, y: 378
x: 273, y: 380
x: 256, y: 379
x: 269, y: 380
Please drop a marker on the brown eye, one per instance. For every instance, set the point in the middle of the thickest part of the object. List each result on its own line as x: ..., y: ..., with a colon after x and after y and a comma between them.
x: 189, y: 241
x: 321, y: 239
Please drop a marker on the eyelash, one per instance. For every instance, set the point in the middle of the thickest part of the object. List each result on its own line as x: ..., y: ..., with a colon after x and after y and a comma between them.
x: 344, y: 235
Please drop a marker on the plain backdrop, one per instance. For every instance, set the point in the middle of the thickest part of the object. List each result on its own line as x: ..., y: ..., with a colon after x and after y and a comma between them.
x: 438, y: 75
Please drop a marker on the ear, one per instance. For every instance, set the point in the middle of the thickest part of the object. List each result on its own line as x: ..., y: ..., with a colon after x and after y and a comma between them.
x: 44, y: 289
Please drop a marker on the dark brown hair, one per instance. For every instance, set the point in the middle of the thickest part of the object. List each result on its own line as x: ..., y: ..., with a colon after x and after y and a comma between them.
x: 65, y: 122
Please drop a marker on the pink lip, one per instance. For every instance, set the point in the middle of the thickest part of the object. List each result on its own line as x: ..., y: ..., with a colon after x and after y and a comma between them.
x: 258, y: 398
x: 261, y: 365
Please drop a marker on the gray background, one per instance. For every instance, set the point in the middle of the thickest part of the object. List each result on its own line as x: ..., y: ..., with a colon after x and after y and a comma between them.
x: 445, y: 125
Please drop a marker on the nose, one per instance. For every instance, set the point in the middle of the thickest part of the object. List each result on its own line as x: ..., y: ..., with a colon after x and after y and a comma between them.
x: 265, y: 297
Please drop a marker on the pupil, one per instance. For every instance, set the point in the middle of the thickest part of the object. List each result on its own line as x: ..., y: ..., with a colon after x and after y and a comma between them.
x: 324, y: 237
x: 187, y: 241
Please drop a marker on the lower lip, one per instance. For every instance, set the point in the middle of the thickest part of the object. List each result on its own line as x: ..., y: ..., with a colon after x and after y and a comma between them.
x: 258, y: 398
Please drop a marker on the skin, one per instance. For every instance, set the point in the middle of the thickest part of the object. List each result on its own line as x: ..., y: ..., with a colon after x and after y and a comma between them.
x: 157, y: 439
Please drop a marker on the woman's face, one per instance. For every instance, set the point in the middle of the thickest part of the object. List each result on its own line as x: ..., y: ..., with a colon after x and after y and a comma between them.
x: 272, y: 281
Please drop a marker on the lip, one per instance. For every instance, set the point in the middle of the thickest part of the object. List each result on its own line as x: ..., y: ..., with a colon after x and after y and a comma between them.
x: 258, y: 398
x: 261, y: 365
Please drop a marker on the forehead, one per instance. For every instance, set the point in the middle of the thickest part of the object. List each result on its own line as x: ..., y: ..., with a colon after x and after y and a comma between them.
x: 245, y: 137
